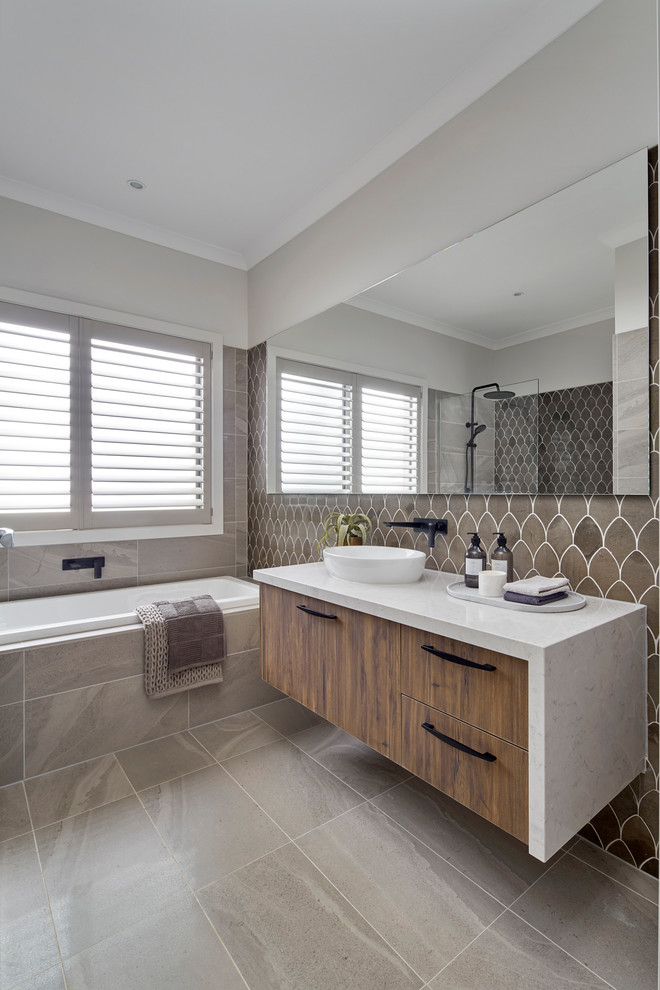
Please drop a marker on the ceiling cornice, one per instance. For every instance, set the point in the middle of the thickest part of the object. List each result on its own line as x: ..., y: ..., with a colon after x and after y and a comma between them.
x: 76, y: 210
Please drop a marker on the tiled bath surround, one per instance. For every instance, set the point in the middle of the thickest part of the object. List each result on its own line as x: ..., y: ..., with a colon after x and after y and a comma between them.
x: 66, y: 703
x: 605, y: 545
x: 36, y: 571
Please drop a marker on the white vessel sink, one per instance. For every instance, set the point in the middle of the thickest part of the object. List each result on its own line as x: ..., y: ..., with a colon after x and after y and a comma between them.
x: 375, y: 565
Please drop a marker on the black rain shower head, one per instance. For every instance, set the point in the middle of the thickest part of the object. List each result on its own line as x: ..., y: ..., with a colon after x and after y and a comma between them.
x: 499, y: 393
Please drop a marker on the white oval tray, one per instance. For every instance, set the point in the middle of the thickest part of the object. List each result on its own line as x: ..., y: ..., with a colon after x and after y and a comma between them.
x: 573, y: 602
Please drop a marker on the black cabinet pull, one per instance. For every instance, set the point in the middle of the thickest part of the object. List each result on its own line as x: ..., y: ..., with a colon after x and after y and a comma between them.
x: 311, y: 611
x: 453, y: 659
x: 488, y: 757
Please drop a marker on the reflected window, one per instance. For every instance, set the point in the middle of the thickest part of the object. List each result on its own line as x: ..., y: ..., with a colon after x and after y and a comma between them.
x: 343, y: 432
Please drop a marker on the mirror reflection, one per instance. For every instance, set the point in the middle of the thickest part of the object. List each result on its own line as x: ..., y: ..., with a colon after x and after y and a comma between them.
x: 551, y: 304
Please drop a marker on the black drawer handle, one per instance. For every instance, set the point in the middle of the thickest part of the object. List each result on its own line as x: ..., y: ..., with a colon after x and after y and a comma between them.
x: 488, y: 757
x: 311, y: 611
x: 453, y: 659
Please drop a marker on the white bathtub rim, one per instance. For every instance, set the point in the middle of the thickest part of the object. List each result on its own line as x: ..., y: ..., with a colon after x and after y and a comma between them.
x: 27, y: 644
x: 102, y: 625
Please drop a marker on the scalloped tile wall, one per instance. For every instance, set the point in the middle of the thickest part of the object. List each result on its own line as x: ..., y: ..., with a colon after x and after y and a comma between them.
x: 605, y: 545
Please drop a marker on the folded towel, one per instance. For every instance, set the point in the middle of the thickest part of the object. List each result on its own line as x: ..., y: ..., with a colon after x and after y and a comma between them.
x: 555, y: 596
x: 159, y: 680
x: 195, y: 632
x: 538, y: 586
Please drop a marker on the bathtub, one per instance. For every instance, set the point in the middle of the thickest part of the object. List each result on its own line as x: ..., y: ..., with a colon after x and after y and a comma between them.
x: 65, y: 615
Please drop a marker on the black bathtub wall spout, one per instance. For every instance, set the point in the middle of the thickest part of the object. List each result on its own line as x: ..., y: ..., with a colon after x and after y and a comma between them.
x: 82, y: 563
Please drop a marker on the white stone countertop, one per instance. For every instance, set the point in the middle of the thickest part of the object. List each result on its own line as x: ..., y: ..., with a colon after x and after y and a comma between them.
x: 427, y: 606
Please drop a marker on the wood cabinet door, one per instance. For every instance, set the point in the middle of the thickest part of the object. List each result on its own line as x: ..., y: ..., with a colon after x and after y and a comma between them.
x: 362, y: 685
x: 342, y: 664
x: 297, y: 646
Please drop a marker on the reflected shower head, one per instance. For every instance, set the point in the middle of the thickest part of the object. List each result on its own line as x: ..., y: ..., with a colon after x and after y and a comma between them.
x: 499, y: 393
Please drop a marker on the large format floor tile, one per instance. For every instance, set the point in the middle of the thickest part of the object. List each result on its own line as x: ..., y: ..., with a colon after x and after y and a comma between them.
x: 288, y: 716
x: 388, y: 884
x: 211, y: 826
x: 235, y: 735
x: 176, y: 948
x: 297, y: 792
x: 64, y: 793
x: 105, y: 870
x: 27, y: 939
x: 287, y: 927
x: 14, y: 815
x: 52, y: 979
x: 486, y: 854
x: 423, y: 907
x: 512, y: 956
x: 617, y: 869
x: 163, y: 759
x: 572, y: 903
x: 367, y: 771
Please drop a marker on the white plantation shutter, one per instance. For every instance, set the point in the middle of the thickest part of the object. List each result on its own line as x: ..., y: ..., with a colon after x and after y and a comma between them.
x: 149, y: 427
x: 35, y: 419
x: 314, y: 429
x: 389, y: 434
x: 342, y: 432
x: 101, y: 425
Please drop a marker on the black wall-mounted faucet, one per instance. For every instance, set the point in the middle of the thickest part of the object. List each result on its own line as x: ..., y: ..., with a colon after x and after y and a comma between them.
x: 429, y: 526
x: 82, y: 563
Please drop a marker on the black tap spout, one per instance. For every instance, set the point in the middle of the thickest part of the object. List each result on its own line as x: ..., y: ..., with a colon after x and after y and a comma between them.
x: 82, y: 563
x: 428, y: 526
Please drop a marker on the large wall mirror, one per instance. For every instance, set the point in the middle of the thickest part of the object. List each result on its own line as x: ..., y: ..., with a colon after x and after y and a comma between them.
x: 513, y: 361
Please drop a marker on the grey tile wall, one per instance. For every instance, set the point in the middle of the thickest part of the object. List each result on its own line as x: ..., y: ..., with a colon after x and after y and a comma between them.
x: 605, y: 545
x: 631, y: 413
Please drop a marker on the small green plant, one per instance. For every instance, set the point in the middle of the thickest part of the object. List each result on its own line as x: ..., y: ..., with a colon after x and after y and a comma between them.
x: 348, y: 527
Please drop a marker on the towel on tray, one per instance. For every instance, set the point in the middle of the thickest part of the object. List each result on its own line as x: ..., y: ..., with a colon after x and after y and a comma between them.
x: 159, y: 679
x: 195, y: 632
x: 538, y: 587
x: 555, y: 596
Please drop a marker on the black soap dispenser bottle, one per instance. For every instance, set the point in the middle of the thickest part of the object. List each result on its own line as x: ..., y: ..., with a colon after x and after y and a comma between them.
x: 475, y: 561
x: 501, y: 559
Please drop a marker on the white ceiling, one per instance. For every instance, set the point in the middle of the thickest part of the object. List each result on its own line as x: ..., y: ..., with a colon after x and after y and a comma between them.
x: 247, y: 120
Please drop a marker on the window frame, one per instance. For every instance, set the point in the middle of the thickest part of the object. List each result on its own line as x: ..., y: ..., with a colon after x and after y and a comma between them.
x: 367, y: 376
x: 63, y: 314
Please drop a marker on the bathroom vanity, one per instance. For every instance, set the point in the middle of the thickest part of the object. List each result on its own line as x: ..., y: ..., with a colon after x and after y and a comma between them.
x: 534, y: 721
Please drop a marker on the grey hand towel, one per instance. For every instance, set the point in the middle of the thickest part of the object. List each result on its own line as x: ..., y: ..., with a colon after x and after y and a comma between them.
x: 195, y: 632
x: 511, y: 596
x: 538, y: 586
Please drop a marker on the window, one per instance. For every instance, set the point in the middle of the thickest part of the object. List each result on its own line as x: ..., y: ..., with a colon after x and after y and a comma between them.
x: 342, y: 432
x: 101, y: 425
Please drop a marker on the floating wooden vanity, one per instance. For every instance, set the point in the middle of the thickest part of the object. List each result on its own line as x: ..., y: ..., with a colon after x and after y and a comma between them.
x: 533, y: 721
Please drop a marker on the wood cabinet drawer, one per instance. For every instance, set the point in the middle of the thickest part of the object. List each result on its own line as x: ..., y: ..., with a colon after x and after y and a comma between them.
x: 495, y: 789
x: 493, y: 699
